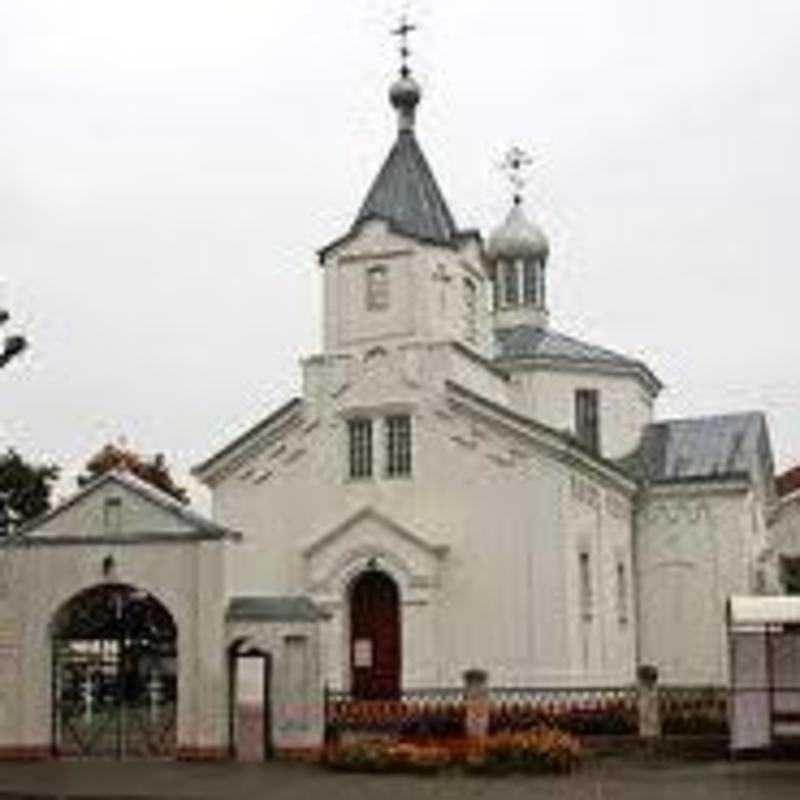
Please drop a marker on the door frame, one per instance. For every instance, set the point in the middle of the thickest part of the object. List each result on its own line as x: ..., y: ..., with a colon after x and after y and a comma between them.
x: 236, y: 652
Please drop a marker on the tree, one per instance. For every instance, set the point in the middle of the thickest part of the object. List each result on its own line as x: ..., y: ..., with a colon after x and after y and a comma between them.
x: 153, y: 471
x: 13, y: 345
x: 24, y: 489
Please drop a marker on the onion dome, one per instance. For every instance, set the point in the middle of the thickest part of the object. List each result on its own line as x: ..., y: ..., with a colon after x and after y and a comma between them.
x: 405, y: 94
x: 517, y: 239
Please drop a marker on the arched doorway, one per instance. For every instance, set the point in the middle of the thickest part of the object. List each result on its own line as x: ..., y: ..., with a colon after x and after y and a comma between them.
x: 114, y: 675
x: 375, y: 646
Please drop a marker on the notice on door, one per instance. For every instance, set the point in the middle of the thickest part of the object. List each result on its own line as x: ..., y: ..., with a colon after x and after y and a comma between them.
x: 362, y: 653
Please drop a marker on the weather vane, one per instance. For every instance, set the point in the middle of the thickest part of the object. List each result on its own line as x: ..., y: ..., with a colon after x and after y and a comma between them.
x: 514, y: 165
x: 402, y: 32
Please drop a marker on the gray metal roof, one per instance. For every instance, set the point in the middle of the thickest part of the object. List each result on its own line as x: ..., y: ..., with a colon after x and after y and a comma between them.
x: 274, y: 609
x: 531, y: 342
x: 704, y: 448
x: 405, y: 194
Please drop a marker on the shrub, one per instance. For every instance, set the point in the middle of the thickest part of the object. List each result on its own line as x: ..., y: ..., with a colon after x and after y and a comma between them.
x: 383, y: 756
x: 542, y: 750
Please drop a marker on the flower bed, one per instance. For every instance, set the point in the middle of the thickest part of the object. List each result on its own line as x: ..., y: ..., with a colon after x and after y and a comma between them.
x: 542, y: 750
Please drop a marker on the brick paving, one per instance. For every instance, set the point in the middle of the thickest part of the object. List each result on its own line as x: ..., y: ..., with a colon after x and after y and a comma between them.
x: 617, y: 779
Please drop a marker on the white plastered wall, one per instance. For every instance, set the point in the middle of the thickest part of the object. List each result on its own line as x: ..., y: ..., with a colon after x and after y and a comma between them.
x: 426, y: 292
x: 296, y: 691
x: 693, y: 550
x: 548, y: 395
x: 498, y: 598
x: 38, y: 579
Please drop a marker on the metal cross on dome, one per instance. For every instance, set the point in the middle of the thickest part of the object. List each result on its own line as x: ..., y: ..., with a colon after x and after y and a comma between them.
x: 514, y: 164
x: 402, y: 32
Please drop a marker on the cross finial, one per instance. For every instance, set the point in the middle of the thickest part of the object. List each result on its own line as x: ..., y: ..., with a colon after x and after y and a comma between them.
x: 402, y: 32
x: 514, y: 164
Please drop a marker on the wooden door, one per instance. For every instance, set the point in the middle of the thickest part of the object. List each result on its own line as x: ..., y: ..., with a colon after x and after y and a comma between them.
x: 375, y: 636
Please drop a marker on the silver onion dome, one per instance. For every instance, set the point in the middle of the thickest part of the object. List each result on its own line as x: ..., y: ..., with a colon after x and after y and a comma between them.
x: 517, y: 239
x: 405, y: 94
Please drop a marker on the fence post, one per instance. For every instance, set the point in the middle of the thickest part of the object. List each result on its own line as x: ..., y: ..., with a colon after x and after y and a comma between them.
x: 648, y: 706
x: 476, y: 697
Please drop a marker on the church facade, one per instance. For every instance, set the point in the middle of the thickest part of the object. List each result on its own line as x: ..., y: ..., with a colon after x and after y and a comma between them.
x: 458, y: 486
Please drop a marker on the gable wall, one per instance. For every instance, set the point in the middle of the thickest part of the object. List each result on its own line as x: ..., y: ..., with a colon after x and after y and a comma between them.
x: 136, y: 515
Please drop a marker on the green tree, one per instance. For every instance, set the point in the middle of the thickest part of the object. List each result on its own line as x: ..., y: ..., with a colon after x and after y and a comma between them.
x: 24, y: 487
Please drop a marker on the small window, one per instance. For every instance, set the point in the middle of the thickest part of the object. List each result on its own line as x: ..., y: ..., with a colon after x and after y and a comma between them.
x: 377, y: 288
x: 470, y: 310
x: 587, y: 422
x: 112, y: 515
x: 398, y: 445
x: 585, y: 571
x: 360, y: 433
x: 511, y: 284
x: 622, y: 594
x: 529, y: 281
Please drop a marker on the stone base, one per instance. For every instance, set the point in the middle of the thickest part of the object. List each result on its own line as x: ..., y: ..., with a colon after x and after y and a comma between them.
x: 21, y: 752
x: 196, y: 753
x: 306, y: 754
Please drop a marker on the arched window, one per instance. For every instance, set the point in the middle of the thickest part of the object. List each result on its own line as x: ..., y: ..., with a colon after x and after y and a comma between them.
x: 529, y: 283
x: 511, y: 284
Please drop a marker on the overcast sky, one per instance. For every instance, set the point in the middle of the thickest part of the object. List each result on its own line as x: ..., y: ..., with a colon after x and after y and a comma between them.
x: 168, y: 170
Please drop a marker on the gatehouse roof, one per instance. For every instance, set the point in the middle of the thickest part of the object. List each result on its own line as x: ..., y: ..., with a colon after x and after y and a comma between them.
x: 274, y: 609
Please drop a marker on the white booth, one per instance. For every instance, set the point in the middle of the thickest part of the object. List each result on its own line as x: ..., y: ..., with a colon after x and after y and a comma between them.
x: 764, y: 640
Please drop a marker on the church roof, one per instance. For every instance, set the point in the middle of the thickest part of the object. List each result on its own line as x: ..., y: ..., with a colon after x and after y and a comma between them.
x: 703, y: 448
x: 405, y: 194
x: 528, y: 342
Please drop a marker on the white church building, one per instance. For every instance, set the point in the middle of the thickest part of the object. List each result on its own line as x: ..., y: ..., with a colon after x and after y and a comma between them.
x: 457, y: 486
x: 460, y: 485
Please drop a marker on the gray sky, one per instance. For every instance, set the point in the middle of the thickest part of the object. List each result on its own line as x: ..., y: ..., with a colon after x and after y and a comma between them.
x: 168, y: 170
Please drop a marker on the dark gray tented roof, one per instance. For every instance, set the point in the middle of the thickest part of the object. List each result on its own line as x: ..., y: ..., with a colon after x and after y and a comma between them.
x: 274, y: 609
x: 406, y: 195
x: 704, y: 447
x: 527, y: 341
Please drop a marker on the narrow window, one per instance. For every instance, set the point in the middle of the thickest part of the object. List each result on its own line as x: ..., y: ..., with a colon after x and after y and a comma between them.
x: 470, y: 310
x: 112, y: 515
x: 542, y: 285
x: 511, y: 284
x: 377, y: 288
x: 587, y: 423
x: 790, y: 575
x: 529, y: 293
x: 398, y: 445
x: 622, y: 594
x: 360, y: 430
x: 585, y: 586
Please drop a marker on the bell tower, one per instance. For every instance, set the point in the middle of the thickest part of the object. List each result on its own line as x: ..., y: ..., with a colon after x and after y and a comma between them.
x: 405, y: 272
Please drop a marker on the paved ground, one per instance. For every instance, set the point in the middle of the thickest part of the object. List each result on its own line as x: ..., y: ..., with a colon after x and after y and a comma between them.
x: 615, y: 779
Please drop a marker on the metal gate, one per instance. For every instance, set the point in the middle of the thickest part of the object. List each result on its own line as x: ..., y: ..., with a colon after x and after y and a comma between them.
x: 114, y: 676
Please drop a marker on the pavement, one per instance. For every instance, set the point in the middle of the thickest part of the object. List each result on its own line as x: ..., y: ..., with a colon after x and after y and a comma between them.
x: 619, y: 779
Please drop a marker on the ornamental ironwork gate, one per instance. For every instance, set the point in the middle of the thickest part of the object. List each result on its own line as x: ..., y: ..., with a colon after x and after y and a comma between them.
x: 114, y: 676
